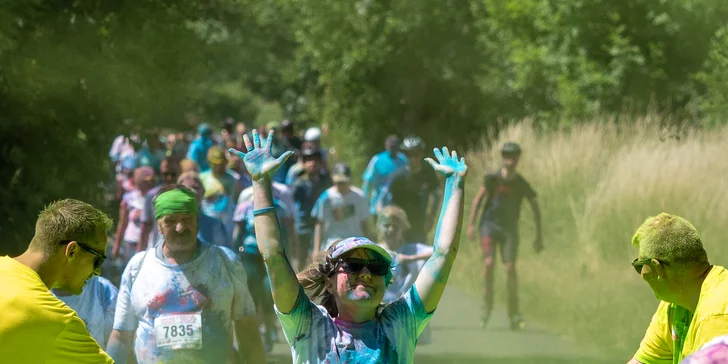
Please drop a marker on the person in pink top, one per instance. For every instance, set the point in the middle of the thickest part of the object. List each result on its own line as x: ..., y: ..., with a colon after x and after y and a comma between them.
x: 130, y: 225
x: 714, y: 352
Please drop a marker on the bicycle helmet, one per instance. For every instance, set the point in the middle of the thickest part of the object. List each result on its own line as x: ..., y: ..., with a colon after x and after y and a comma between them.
x: 511, y: 148
x: 313, y: 134
x: 413, y: 143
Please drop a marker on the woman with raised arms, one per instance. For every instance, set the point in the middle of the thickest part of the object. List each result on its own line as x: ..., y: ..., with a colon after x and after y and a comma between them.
x: 332, y: 311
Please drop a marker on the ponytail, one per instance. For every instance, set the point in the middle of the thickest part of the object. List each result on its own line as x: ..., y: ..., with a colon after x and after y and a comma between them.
x: 313, y: 280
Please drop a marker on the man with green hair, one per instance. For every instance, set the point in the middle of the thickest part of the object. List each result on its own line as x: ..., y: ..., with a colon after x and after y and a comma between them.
x: 693, y: 293
x: 184, y: 300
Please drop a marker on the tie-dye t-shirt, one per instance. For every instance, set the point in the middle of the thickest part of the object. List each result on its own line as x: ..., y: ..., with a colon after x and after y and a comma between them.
x: 317, y: 338
x: 713, y: 353
x: 212, y: 284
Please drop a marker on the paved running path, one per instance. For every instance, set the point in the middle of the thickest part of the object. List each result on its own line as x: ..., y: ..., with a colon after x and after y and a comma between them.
x: 458, y: 339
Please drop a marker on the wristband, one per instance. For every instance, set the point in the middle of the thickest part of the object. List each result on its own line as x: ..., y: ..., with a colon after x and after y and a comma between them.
x: 264, y: 210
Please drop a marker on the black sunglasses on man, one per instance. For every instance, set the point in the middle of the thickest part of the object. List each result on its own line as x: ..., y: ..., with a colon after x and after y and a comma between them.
x: 99, y: 258
x: 639, y: 263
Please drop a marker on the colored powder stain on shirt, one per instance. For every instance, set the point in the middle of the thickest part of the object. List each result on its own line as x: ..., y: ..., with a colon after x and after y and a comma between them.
x: 162, y: 288
x: 368, y: 349
x: 176, y: 301
x: 159, y: 301
x: 391, y: 337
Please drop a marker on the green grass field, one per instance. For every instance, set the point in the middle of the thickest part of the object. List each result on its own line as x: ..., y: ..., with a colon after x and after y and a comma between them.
x: 597, y: 183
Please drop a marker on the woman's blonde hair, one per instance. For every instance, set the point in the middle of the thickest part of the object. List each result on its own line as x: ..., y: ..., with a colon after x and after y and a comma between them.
x: 395, y: 214
x: 313, y: 280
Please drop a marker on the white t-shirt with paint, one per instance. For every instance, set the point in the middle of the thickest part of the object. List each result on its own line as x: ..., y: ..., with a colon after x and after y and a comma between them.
x: 341, y: 215
x: 183, y: 313
x: 95, y: 306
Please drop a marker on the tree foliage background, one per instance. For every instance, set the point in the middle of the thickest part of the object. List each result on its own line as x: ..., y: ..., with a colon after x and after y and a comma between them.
x: 451, y: 71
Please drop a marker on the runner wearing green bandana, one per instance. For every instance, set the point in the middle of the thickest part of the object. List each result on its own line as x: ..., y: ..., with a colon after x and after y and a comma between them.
x: 184, y: 301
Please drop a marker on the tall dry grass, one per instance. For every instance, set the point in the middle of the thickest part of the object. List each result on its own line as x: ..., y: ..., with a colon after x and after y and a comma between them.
x: 597, y: 182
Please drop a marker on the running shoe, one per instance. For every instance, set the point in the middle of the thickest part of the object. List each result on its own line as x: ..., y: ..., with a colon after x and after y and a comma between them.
x: 517, y: 323
x: 485, y: 318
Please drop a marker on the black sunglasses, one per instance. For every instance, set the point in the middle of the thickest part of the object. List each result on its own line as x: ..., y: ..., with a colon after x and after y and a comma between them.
x: 351, y: 265
x: 639, y: 263
x: 99, y: 258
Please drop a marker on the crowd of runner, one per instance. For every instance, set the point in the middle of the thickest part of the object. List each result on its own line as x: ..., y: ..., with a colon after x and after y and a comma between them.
x: 226, y: 244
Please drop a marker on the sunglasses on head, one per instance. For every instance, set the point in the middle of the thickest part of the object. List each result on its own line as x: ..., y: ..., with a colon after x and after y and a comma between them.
x: 99, y: 258
x: 639, y: 263
x: 352, y: 265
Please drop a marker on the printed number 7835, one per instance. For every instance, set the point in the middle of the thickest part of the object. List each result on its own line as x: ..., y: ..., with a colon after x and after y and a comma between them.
x: 178, y: 330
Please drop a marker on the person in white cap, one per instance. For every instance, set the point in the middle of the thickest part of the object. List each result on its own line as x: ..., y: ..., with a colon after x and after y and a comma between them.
x: 313, y: 136
x: 341, y: 319
x: 312, y: 140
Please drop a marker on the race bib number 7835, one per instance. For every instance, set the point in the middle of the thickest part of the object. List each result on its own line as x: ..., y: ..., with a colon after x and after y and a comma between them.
x: 179, y: 331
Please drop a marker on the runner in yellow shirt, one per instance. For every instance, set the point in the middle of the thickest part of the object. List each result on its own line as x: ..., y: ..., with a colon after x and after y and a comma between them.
x: 67, y: 250
x: 693, y: 293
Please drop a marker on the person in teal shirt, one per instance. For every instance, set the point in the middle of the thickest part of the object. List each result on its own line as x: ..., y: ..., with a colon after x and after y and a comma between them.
x: 380, y: 169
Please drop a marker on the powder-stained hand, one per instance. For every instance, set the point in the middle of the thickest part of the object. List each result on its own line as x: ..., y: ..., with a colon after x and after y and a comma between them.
x: 258, y: 159
x: 448, y: 164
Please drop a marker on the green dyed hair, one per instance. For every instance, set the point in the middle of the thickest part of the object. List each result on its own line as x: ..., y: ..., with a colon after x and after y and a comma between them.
x: 671, y: 239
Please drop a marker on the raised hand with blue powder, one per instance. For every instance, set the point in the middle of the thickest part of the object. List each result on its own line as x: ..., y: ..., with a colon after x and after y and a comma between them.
x: 332, y: 312
x: 431, y: 281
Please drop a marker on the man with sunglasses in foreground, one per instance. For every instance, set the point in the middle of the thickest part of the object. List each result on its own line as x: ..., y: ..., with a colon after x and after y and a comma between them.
x: 693, y: 293
x: 66, y: 251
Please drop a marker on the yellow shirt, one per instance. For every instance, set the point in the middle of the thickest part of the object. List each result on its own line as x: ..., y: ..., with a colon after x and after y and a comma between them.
x: 35, y: 326
x: 673, y: 327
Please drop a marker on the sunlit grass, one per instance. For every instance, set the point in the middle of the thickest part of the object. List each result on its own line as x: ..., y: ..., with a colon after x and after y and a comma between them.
x: 596, y: 183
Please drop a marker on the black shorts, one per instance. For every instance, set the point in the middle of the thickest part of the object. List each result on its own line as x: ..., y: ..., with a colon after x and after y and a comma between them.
x: 505, y: 239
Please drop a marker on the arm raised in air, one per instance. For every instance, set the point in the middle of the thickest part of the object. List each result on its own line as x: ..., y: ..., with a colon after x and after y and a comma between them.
x: 432, y: 279
x: 261, y: 166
